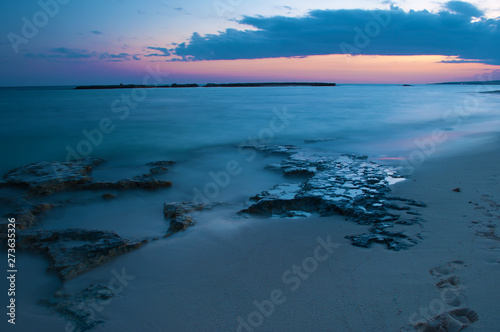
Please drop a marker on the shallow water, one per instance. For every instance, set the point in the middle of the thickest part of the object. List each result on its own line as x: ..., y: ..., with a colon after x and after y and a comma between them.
x: 183, y: 124
x: 201, y: 130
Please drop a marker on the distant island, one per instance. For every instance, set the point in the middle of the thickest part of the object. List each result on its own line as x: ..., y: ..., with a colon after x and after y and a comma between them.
x: 134, y: 86
x: 236, y: 85
x: 472, y: 83
x: 209, y: 85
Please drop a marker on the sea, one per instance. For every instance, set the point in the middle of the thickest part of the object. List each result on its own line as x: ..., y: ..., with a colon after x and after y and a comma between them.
x: 210, y: 134
x: 199, y: 125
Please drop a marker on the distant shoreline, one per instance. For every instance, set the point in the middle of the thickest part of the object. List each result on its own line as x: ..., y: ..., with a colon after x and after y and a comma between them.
x: 209, y: 85
x: 471, y: 83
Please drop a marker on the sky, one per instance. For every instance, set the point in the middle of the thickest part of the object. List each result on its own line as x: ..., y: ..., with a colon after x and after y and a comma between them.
x: 81, y: 42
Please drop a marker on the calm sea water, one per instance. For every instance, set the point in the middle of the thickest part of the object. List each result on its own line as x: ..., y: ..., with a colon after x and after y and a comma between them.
x: 201, y: 129
x: 181, y: 124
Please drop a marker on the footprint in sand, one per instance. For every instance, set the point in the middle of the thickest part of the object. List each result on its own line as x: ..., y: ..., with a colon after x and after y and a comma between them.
x: 450, y: 289
x: 451, y: 321
x: 457, y: 318
x: 493, y: 206
x: 484, y: 211
x: 452, y: 281
x: 446, y: 269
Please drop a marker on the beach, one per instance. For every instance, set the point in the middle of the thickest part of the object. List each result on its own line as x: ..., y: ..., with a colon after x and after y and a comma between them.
x: 213, y: 279
x: 224, y: 270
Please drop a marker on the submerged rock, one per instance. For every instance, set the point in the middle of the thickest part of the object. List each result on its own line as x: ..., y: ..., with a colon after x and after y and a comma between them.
x: 160, y: 167
x: 74, y: 251
x: 318, y: 140
x: 108, y: 196
x: 161, y: 163
x: 50, y: 177
x: 138, y: 182
x: 80, y: 308
x: 177, y: 214
x: 45, y: 178
x: 347, y: 185
x: 24, y: 212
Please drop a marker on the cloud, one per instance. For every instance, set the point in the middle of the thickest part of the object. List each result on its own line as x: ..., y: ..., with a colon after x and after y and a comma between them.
x: 459, y: 61
x: 65, y: 54
x: 164, y: 51
x: 96, y: 32
x: 450, y: 32
x: 464, y: 8
x: 68, y: 53
x: 123, y: 56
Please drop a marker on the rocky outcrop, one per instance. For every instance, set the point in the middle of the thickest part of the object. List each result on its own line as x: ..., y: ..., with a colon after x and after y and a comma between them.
x: 49, y: 177
x: 24, y: 212
x: 74, y: 251
x: 347, y: 185
x: 45, y: 178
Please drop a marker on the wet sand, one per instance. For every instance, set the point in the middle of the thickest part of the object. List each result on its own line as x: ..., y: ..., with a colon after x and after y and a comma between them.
x: 229, y: 273
x: 216, y: 275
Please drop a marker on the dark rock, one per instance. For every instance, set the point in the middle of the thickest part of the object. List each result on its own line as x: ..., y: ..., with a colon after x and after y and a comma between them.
x: 415, y: 213
x: 347, y: 185
x: 158, y: 170
x: 74, y: 251
x: 139, y: 182
x: 318, y: 140
x: 79, y: 308
x: 409, y: 222
x: 46, y: 178
x: 108, y: 196
x: 393, y: 241
x: 456, y: 190
x: 49, y: 177
x: 177, y: 214
x: 26, y: 215
x: 161, y: 163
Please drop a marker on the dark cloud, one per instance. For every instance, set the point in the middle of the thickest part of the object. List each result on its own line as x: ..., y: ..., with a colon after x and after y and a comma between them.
x: 65, y: 54
x: 464, y: 8
x: 449, y: 32
x: 123, y: 56
x: 96, y: 32
x: 68, y: 53
x: 164, y: 51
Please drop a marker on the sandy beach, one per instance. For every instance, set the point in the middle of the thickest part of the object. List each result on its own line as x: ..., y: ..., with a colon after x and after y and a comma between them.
x: 230, y: 273
x: 273, y: 250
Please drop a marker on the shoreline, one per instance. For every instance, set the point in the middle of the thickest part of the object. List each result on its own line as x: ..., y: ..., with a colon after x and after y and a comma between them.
x: 220, y: 272
x: 216, y: 277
